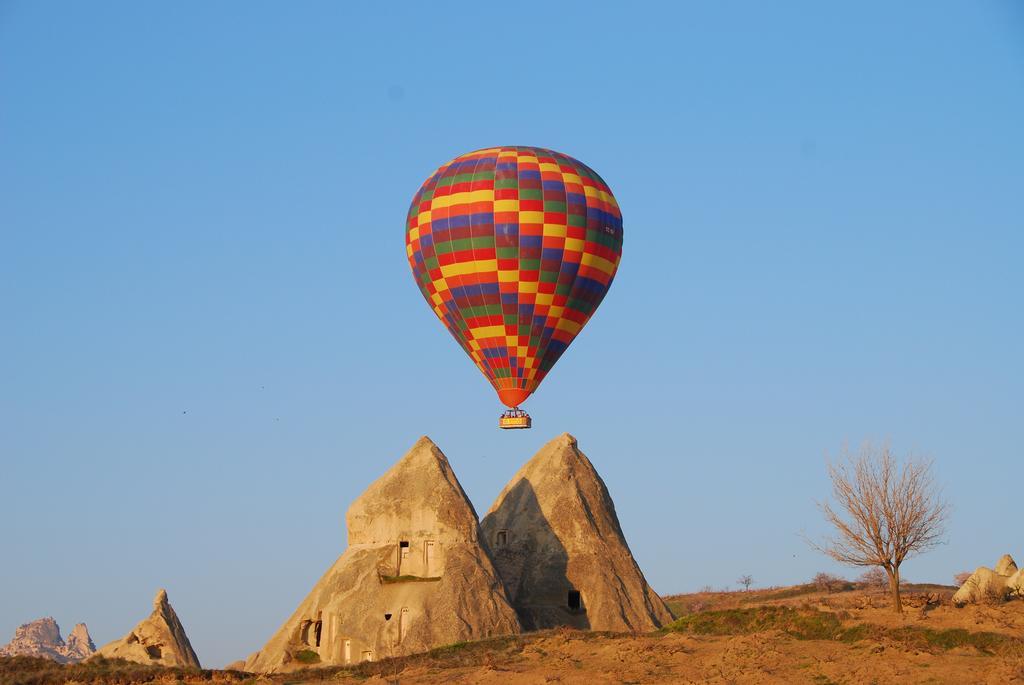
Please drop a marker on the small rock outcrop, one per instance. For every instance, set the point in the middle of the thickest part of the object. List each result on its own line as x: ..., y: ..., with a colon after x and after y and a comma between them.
x: 559, y: 548
x: 79, y: 645
x: 42, y: 638
x: 1006, y: 566
x: 992, y: 585
x: 414, y: 576
x: 158, y: 639
x: 1015, y: 583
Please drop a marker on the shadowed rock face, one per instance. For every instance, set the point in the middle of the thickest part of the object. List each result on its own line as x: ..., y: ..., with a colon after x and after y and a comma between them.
x: 414, y: 554
x: 558, y: 546
x: 42, y: 638
x: 158, y: 639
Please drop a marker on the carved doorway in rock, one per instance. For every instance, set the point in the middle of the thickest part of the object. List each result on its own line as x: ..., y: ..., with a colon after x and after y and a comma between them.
x: 310, y: 631
x: 428, y: 558
x: 403, y: 624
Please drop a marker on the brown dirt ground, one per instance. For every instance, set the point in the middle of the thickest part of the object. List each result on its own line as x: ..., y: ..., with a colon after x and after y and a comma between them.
x: 769, y: 656
x: 759, y: 655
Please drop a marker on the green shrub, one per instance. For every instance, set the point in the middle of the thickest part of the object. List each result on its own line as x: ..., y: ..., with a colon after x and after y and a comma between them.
x: 307, y: 656
x: 803, y: 625
x: 387, y: 580
x: 445, y: 650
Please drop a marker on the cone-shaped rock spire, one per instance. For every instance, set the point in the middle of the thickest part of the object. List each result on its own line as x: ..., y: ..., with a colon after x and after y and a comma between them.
x: 558, y: 546
x: 159, y: 639
x: 414, y: 576
x: 79, y: 645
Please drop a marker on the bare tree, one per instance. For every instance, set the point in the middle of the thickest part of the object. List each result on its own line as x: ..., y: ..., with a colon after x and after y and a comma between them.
x: 874, y: 579
x: 745, y: 580
x: 830, y: 583
x: 885, y: 512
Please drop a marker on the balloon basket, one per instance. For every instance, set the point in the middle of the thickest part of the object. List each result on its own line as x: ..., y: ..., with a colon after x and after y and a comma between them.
x: 515, y: 419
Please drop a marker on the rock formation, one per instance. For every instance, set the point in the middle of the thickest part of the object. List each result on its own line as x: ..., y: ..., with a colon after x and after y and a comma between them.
x: 79, y: 645
x: 1006, y: 566
x: 558, y: 546
x: 1015, y: 584
x: 983, y: 584
x: 989, y: 584
x: 414, y: 576
x: 42, y: 638
x: 159, y: 639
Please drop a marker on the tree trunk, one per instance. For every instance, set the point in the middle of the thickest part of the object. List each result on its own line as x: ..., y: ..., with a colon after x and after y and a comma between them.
x: 894, y: 587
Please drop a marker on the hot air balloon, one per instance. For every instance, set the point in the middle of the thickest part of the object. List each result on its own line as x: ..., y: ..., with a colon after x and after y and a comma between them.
x: 514, y: 248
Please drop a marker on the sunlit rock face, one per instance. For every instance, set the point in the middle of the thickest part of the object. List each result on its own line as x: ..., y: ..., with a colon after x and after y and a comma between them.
x: 992, y: 585
x: 79, y: 644
x: 159, y: 639
x: 414, y: 576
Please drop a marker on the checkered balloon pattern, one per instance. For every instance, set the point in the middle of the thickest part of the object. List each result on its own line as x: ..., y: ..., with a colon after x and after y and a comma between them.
x: 514, y: 248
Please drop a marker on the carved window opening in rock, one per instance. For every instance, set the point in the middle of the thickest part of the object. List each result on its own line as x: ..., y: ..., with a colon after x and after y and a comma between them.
x: 403, y: 553
x: 348, y: 651
x: 502, y: 538
x: 317, y: 630
x: 304, y: 632
x: 575, y: 601
x: 153, y: 651
x: 368, y: 655
x: 132, y: 638
x: 403, y: 623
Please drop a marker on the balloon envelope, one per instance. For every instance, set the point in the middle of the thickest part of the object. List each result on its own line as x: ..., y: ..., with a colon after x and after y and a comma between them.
x: 514, y: 248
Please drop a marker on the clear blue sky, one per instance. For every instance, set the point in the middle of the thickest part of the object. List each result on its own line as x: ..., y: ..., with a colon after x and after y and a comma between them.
x: 202, y: 207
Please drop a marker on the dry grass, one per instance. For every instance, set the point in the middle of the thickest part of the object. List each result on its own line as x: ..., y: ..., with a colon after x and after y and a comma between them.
x: 800, y: 634
x: 813, y: 624
x: 26, y: 670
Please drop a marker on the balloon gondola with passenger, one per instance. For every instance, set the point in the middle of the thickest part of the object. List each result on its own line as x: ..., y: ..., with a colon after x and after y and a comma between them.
x: 515, y: 418
x: 514, y: 248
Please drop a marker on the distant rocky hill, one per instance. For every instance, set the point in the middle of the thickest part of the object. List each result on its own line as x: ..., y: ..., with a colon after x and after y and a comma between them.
x: 42, y: 638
